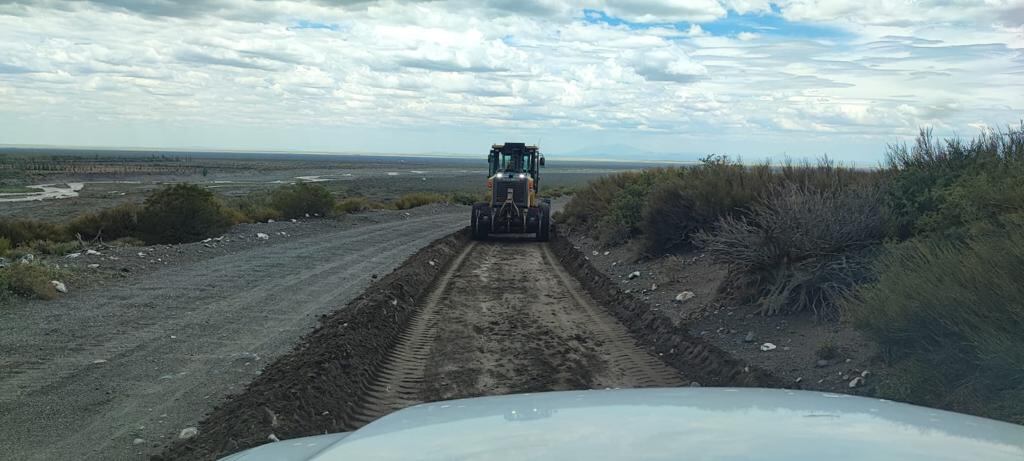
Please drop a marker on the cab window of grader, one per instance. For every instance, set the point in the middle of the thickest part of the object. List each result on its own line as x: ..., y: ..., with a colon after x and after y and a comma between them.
x: 514, y: 162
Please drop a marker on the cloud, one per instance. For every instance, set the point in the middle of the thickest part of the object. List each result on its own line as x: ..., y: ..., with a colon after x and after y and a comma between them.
x: 669, y: 64
x: 733, y: 71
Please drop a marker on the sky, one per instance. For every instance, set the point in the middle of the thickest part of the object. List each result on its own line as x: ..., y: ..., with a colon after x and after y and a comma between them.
x: 674, y: 79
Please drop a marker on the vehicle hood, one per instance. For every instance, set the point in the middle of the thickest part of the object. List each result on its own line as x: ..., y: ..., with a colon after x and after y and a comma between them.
x: 668, y: 424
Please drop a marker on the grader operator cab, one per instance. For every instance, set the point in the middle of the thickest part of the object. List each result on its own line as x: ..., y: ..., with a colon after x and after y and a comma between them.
x: 513, y: 182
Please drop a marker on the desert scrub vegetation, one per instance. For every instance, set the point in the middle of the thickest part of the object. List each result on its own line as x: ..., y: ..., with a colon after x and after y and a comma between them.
x: 27, y: 280
x: 186, y: 212
x: 299, y: 200
x: 950, y: 316
x: 664, y: 207
x: 799, y: 248
x: 923, y: 254
x: 182, y: 213
x: 415, y: 199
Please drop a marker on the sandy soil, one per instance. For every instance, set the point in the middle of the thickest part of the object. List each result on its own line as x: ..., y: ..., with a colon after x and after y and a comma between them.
x: 728, y: 325
x: 113, y: 371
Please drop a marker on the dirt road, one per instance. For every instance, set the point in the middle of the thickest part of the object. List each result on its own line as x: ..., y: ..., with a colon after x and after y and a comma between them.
x: 111, y: 373
x: 507, y: 318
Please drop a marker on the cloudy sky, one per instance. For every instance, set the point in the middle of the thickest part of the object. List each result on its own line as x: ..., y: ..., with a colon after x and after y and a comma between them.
x: 743, y: 77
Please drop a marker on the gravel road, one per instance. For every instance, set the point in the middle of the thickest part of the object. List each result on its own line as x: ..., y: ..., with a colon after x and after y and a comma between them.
x: 115, y: 371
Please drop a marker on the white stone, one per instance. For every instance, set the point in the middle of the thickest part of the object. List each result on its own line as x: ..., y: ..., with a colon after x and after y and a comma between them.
x: 684, y: 296
x: 188, y: 433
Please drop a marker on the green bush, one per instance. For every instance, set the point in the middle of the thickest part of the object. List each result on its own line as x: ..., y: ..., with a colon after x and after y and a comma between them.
x: 666, y: 206
x: 252, y: 207
x: 943, y: 188
x: 22, y: 231
x: 800, y: 249
x: 951, y: 316
x: 611, y: 207
x: 5, y: 246
x: 109, y: 224
x: 298, y: 200
x: 27, y: 281
x: 416, y: 199
x: 182, y: 213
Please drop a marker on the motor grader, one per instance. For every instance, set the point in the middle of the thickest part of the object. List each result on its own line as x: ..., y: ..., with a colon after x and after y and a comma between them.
x: 513, y: 184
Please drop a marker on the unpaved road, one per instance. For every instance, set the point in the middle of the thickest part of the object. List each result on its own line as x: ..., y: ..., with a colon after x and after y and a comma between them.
x: 506, y: 317
x: 84, y: 376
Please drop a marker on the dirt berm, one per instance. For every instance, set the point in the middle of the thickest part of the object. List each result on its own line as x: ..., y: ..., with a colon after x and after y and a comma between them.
x: 311, y: 390
x: 702, y: 361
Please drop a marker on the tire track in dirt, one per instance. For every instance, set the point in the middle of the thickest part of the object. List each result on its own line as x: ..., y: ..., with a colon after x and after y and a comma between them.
x: 513, y: 320
x: 400, y: 378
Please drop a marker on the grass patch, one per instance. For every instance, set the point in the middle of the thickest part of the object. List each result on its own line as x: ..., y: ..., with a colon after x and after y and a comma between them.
x: 416, y: 199
x: 23, y: 231
x: 355, y: 205
x: 27, y: 281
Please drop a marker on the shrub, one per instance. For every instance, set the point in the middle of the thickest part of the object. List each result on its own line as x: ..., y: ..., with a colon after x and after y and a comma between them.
x: 465, y: 198
x: 943, y: 187
x: 5, y: 245
x: 252, y: 207
x: 355, y: 204
x: 297, y: 200
x: 611, y: 207
x: 27, y: 281
x: 112, y: 223
x: 182, y: 213
x: 21, y: 231
x: 800, y: 249
x: 49, y: 247
x: 951, y: 316
x: 827, y: 351
x: 416, y: 199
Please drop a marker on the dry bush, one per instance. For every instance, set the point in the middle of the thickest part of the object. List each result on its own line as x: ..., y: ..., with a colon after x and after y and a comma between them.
x: 799, y: 249
x: 26, y: 281
x: 111, y: 224
x: 23, y: 231
x: 415, y: 199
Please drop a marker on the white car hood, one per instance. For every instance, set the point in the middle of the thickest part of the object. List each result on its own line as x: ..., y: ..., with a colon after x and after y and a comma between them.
x: 663, y: 424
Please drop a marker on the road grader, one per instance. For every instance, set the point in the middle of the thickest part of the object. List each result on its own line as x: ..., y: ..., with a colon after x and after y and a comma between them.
x: 513, y: 184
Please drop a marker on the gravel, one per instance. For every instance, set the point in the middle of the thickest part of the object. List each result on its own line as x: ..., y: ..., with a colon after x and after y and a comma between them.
x: 147, y: 353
